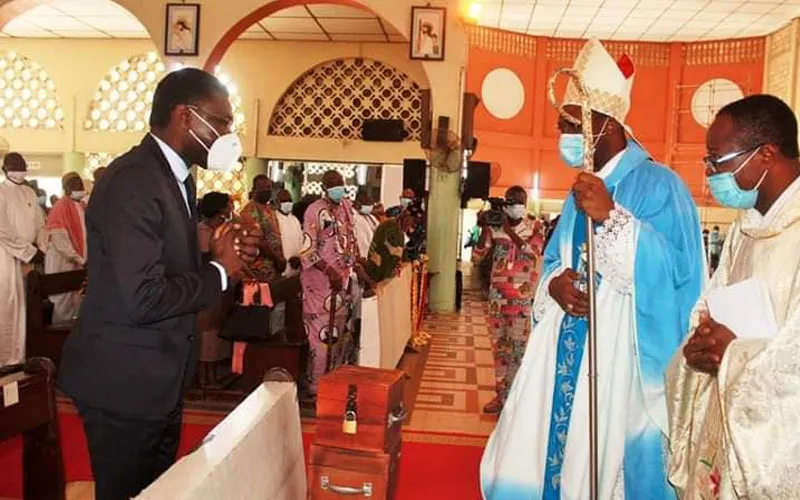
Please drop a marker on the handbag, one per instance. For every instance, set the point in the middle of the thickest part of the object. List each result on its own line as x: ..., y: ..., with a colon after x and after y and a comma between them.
x: 248, y: 323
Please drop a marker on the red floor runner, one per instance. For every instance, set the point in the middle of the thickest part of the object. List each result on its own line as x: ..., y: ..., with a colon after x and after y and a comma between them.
x: 427, y: 471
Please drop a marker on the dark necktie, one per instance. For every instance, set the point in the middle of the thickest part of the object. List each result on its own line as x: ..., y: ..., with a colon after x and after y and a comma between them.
x: 191, y: 195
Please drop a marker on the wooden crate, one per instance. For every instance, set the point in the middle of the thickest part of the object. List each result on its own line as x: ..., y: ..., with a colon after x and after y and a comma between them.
x: 380, y: 412
x: 335, y: 472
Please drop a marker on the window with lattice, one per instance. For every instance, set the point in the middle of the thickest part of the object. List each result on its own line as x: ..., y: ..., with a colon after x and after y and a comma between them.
x: 28, y: 97
x: 331, y: 101
x: 124, y: 96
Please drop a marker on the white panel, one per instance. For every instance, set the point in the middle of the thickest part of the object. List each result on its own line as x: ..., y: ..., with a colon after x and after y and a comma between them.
x: 29, y: 32
x: 292, y: 25
x: 129, y: 34
x: 312, y: 37
x: 297, y: 11
x: 79, y: 8
x: 255, y: 35
x: 57, y: 23
x: 339, y: 11
x: 391, y: 184
x: 351, y: 25
x: 350, y: 37
x: 107, y: 23
x: 86, y: 33
x: 721, y: 6
x: 490, y: 16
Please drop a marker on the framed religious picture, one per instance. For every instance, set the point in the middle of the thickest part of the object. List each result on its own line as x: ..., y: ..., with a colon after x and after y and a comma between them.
x: 427, y: 33
x: 183, y: 29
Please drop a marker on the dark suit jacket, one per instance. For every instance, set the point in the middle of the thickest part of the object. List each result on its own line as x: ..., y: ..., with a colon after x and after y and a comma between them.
x: 134, y: 350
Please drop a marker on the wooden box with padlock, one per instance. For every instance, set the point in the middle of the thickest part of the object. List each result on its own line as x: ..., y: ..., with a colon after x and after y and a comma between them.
x: 334, y: 473
x: 360, y: 408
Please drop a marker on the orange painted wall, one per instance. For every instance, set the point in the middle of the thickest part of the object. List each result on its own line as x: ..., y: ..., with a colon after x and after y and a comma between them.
x: 666, y: 78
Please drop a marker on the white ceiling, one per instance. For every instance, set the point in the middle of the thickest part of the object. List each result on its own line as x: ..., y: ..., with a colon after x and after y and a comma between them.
x: 324, y: 22
x: 656, y: 20
x: 76, y: 19
x: 649, y: 20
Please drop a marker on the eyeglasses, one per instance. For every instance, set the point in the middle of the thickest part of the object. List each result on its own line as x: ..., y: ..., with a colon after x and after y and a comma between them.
x: 224, y: 122
x: 713, y: 164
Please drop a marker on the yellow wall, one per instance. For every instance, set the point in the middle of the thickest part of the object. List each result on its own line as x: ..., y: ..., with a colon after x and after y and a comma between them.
x: 264, y: 70
x: 261, y: 70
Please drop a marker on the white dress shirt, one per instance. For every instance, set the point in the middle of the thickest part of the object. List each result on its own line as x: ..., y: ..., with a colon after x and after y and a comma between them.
x: 181, y: 173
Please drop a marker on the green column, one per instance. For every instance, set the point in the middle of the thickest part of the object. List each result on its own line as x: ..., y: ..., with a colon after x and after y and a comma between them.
x: 252, y: 167
x: 443, y: 206
x: 74, y: 161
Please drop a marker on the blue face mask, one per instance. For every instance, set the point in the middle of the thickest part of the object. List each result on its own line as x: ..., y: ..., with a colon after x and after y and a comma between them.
x: 366, y: 209
x: 570, y: 147
x: 727, y: 191
x: 405, y: 202
x: 336, y: 193
x: 286, y: 207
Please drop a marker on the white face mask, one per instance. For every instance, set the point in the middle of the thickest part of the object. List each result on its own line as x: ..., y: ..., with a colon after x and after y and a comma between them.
x: 366, y: 209
x: 16, y: 176
x: 77, y: 195
x: 286, y: 207
x: 516, y: 212
x: 224, y: 152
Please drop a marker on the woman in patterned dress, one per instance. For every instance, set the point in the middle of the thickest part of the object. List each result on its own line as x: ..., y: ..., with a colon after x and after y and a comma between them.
x: 515, y: 250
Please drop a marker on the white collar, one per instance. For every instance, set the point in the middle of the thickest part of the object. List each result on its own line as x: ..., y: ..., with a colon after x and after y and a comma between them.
x: 610, y: 165
x: 755, y: 217
x: 176, y: 163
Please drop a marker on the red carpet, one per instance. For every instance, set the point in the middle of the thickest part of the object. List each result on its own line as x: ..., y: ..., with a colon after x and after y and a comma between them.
x: 427, y: 471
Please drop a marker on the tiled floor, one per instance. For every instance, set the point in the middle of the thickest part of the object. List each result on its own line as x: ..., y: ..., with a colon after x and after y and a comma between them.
x: 458, y: 378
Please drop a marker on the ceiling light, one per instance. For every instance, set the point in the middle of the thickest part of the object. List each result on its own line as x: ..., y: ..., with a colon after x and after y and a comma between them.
x: 474, y: 11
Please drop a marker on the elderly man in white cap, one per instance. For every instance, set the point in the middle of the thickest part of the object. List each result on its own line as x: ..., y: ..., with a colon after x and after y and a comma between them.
x: 650, y: 267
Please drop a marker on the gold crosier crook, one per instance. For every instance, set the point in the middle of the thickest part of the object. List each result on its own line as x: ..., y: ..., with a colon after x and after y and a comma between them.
x: 591, y: 339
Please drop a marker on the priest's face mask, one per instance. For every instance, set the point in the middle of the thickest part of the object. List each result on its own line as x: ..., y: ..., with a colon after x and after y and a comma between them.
x: 735, y: 166
x: 571, y: 143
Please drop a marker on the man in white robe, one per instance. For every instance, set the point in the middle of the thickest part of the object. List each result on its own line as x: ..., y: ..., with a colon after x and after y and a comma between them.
x: 66, y: 243
x: 649, y: 256
x: 21, y: 238
x: 734, y: 389
x: 291, y: 233
x: 364, y: 222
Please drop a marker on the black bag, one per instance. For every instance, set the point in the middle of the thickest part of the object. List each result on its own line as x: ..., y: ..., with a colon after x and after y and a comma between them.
x: 247, y: 324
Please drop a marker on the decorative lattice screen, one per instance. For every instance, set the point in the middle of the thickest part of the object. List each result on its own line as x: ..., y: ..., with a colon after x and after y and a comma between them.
x: 332, y: 100
x: 28, y: 97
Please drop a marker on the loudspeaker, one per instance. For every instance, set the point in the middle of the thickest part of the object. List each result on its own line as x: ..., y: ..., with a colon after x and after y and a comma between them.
x: 426, y: 118
x: 442, y: 129
x: 414, y: 175
x: 468, y: 140
x: 478, y: 177
x: 383, y: 130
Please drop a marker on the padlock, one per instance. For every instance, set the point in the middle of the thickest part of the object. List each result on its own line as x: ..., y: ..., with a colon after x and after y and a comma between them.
x: 350, y: 424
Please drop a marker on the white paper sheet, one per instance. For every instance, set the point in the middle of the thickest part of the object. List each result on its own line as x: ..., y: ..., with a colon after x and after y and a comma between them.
x: 745, y: 308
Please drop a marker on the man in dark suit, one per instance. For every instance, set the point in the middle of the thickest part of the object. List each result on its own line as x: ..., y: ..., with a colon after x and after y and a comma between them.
x: 134, y: 350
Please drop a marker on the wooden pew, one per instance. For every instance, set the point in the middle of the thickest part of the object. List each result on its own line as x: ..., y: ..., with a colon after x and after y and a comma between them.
x: 44, y: 339
x: 36, y: 418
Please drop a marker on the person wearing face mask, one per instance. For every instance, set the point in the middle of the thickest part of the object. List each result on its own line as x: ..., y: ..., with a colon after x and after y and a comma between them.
x: 364, y: 222
x: 329, y: 255
x: 66, y: 243
x: 215, y: 209
x: 270, y: 264
x: 291, y: 233
x: 22, y: 237
x: 650, y: 271
x: 133, y: 352
x: 734, y: 401
x: 515, y: 251
x: 407, y: 198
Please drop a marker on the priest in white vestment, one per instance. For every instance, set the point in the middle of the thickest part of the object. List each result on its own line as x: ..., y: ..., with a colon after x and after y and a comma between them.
x: 66, y: 243
x: 21, y: 238
x: 650, y: 265
x: 734, y: 389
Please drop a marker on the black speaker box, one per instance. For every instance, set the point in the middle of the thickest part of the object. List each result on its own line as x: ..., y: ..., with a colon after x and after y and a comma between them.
x: 414, y: 175
x: 477, y: 183
x: 383, y: 130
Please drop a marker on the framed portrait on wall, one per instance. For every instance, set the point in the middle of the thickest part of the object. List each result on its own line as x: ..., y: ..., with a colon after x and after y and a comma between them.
x: 428, y: 33
x: 182, y: 29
